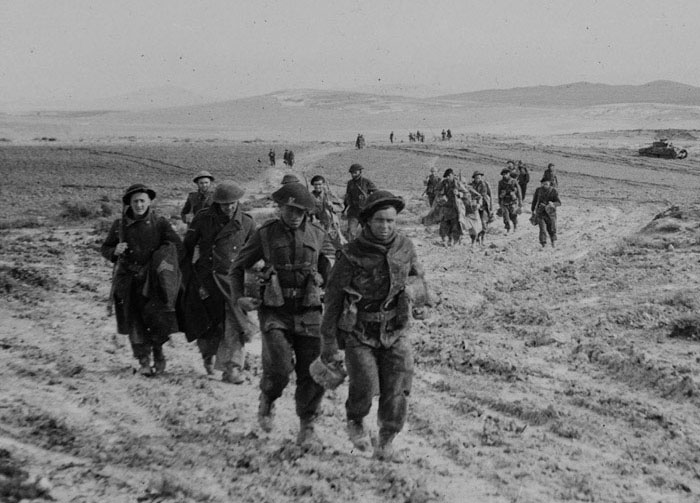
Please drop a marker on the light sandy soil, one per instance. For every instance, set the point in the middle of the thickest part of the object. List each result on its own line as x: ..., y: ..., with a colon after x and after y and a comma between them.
x: 542, y: 374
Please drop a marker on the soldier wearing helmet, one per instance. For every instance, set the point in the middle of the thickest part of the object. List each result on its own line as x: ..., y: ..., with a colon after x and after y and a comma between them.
x: 431, y: 186
x: 199, y: 199
x: 367, y: 310
x: 357, y: 191
x: 131, y: 244
x: 219, y: 232
x: 297, y: 254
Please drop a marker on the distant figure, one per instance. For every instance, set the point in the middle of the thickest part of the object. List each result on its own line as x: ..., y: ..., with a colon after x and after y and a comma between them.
x: 444, y: 134
x: 549, y: 176
x: 391, y: 137
x: 285, y: 157
x: 544, y: 210
x: 509, y: 200
x: 200, y: 199
x: 360, y: 142
x: 431, y: 185
x: 523, y: 178
x: 271, y: 156
x: 357, y: 191
x: 290, y: 158
x: 449, y: 135
x: 411, y: 138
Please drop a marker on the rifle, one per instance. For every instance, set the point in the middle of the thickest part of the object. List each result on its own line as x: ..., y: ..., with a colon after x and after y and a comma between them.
x: 110, y: 301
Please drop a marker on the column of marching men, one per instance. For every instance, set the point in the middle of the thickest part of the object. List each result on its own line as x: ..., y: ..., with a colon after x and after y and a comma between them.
x: 316, y: 289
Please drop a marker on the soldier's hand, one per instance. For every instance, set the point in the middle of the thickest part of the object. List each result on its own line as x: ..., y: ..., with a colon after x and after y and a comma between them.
x: 331, y: 355
x: 120, y: 248
x: 248, y: 303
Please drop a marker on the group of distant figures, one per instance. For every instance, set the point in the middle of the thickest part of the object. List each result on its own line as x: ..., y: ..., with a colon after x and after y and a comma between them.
x: 416, y: 137
x: 446, y: 135
x: 462, y: 208
x: 360, y: 142
x: 288, y: 157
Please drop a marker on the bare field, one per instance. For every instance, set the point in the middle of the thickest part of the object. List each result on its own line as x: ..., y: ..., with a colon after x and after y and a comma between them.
x: 566, y: 374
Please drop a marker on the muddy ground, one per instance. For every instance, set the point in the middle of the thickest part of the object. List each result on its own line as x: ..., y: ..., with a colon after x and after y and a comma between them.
x: 556, y: 374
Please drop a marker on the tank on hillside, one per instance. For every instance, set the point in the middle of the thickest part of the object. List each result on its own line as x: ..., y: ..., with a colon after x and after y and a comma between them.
x: 665, y: 149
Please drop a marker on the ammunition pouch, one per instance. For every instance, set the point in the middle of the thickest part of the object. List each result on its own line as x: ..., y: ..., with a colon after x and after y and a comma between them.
x: 348, y: 317
x: 272, y: 294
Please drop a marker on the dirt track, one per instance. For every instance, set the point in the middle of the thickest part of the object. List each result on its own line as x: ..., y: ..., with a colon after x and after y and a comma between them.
x: 542, y: 375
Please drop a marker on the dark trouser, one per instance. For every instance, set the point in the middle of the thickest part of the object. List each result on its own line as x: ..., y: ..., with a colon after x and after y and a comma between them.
x: 209, y: 344
x: 523, y: 189
x: 548, y: 225
x: 283, y: 351
x: 510, y: 215
x: 143, y: 340
x: 431, y: 199
x: 449, y: 228
x: 389, y: 370
x: 484, y: 215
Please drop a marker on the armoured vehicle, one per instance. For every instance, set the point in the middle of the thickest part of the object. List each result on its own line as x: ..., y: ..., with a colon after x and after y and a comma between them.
x: 663, y: 148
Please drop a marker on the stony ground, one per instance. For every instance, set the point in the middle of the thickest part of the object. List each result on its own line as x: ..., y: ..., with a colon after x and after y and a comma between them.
x: 565, y: 374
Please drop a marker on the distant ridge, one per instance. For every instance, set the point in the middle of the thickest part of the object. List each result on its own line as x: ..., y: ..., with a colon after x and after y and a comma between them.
x: 582, y: 94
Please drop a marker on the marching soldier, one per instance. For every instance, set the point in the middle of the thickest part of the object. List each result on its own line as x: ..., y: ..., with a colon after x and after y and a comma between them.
x: 509, y: 199
x: 544, y: 208
x: 367, y: 311
x: 132, y: 244
x: 219, y: 231
x: 357, y: 191
x: 297, y: 255
x: 199, y: 199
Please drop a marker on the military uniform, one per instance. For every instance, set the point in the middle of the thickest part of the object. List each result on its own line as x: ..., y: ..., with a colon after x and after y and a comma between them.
x: 356, y: 192
x: 484, y: 190
x: 219, y: 239
x: 367, y: 313
x: 196, y: 201
x: 544, y: 207
x: 431, y: 187
x: 296, y: 263
x: 509, y: 200
x: 138, y: 315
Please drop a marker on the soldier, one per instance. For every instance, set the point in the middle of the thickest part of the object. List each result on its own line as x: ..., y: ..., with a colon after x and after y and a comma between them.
x: 391, y: 137
x: 297, y: 255
x: 357, y: 191
x: 132, y: 243
x: 200, y: 199
x: 450, y: 193
x: 367, y: 311
x: 431, y: 185
x: 272, y: 156
x: 509, y: 199
x: 285, y: 157
x: 486, y: 206
x: 544, y: 208
x: 550, y: 176
x: 325, y: 212
x: 289, y: 178
x: 210, y: 315
x: 523, y: 179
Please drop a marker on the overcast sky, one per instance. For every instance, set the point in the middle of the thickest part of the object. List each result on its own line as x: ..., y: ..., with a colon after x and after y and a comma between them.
x: 227, y: 48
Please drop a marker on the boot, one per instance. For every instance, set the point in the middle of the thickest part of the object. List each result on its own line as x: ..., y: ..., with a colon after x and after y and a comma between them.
x: 266, y: 413
x: 145, y: 366
x: 232, y: 375
x: 307, y: 435
x: 158, y: 359
x: 358, y: 436
x: 208, y: 364
x: 384, y: 451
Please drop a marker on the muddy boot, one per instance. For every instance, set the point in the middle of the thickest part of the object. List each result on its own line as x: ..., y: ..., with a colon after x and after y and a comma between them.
x: 384, y: 451
x: 209, y: 364
x: 307, y: 435
x: 145, y: 366
x: 358, y: 435
x: 232, y: 375
x: 266, y: 413
x: 158, y: 359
